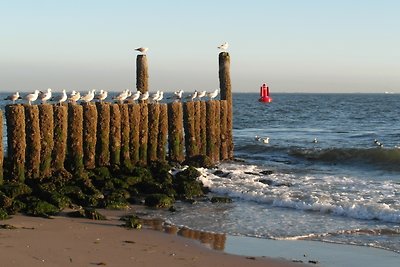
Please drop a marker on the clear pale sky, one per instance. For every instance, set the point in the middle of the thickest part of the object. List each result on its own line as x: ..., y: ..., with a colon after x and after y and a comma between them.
x: 292, y: 45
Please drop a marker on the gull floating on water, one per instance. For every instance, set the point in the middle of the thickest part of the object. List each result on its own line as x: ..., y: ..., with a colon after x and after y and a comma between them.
x: 265, y: 140
x: 14, y: 97
x: 315, y: 140
x: 224, y: 46
x: 142, y: 50
x: 102, y: 95
x: 213, y: 95
x: 378, y: 143
x: 44, y: 96
x: 257, y: 138
x: 32, y: 97
x: 89, y: 96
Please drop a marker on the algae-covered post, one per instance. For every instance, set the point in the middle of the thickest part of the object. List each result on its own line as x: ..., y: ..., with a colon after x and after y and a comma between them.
x: 142, y: 74
x: 226, y: 94
x: 154, y: 117
x: 217, y: 137
x: 162, y: 132
x: 134, y: 120
x: 89, y: 135
x: 33, y: 144
x: 143, y: 132
x: 223, y: 119
x: 125, y: 128
x: 75, y: 138
x: 103, y: 134
x: 46, y: 138
x: 191, y: 143
x: 115, y: 137
x: 203, y: 130
x: 60, y: 116
x: 16, y: 145
x: 197, y: 125
x: 210, y: 130
x: 175, y: 132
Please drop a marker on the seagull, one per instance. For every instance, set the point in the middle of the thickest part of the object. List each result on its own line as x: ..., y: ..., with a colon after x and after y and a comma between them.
x: 223, y: 47
x: 44, y: 96
x: 122, y: 96
x: 32, y: 97
x: 89, y: 96
x: 160, y: 96
x: 265, y: 140
x: 136, y: 95
x: 142, y: 50
x: 378, y: 143
x: 315, y: 141
x: 155, y: 96
x: 102, y: 95
x: 201, y: 94
x: 13, y: 97
x: 178, y: 95
x: 75, y: 96
x: 192, y: 96
x: 213, y: 95
x: 144, y: 96
x: 62, y: 98
x: 257, y: 138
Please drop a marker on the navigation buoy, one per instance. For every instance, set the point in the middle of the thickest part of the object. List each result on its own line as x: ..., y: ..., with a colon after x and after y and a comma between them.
x: 264, y: 94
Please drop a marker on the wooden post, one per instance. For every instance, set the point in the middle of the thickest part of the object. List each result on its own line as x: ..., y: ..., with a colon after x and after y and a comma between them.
x: 1, y: 149
x: 75, y: 139
x: 226, y: 94
x: 89, y: 135
x: 154, y: 117
x: 142, y: 74
x: 191, y: 143
x: 125, y: 128
x: 223, y: 124
x: 60, y: 115
x: 197, y: 125
x: 33, y: 144
x: 162, y: 132
x: 217, y: 136
x: 115, y: 131
x: 210, y: 130
x: 143, y: 132
x: 103, y: 134
x: 134, y: 120
x: 175, y: 132
x: 46, y: 123
x: 16, y: 145
x: 203, y: 129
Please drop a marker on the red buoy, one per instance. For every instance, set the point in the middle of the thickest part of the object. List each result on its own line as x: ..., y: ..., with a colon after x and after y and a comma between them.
x: 264, y: 94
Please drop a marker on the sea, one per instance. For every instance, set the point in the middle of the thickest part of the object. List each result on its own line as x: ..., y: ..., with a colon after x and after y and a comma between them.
x: 330, y: 172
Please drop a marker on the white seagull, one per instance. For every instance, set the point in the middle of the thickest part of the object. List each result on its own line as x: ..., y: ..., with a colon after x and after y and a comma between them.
x: 13, y: 97
x: 265, y: 140
x: 122, y: 96
x: 102, y: 95
x: 223, y: 47
x: 160, y: 97
x: 74, y: 96
x: 62, y: 98
x: 142, y: 50
x: 201, y: 94
x: 178, y: 94
x: 89, y: 96
x: 213, y: 95
x: 44, y: 96
x: 192, y: 96
x: 32, y: 97
x: 144, y: 96
x: 136, y: 95
x: 155, y: 96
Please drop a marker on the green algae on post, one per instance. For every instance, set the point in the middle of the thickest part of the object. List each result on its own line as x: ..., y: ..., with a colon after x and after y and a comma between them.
x: 75, y: 139
x: 175, y: 132
x: 153, y: 118
x: 33, y: 144
x: 60, y: 114
x: 103, y: 134
x: 47, y: 139
x: 115, y: 134
x: 162, y: 132
x: 89, y: 135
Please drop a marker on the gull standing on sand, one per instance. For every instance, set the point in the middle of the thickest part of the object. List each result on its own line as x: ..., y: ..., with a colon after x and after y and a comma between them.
x: 32, y: 97
x: 213, y: 95
x: 74, y: 96
x: 223, y: 47
x: 122, y: 96
x: 201, y: 94
x: 89, y: 96
x: 102, y: 95
x: 142, y: 50
x: 136, y: 95
x: 13, y: 97
x: 44, y: 96
x: 144, y: 96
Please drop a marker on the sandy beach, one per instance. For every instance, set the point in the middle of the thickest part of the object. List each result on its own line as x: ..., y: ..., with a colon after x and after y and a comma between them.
x: 64, y: 241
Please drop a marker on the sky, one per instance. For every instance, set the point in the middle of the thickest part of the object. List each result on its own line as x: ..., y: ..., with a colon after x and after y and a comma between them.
x: 292, y: 45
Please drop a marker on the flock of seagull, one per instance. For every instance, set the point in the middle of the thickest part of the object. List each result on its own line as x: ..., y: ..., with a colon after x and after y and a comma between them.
x: 75, y: 96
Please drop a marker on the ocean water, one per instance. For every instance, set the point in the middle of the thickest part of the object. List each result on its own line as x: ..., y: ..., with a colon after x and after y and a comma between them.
x: 343, y: 188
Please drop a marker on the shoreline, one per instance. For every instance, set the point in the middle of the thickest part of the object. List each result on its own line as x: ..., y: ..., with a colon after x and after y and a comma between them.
x: 64, y: 241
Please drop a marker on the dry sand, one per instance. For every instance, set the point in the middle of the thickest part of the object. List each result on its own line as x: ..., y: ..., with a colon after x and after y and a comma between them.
x: 64, y: 241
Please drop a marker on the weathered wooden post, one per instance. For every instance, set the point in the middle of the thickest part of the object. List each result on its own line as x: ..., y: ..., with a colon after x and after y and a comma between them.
x: 217, y: 137
x: 142, y: 74
x: 226, y: 94
x: 60, y: 115
x: 210, y: 130
x: 89, y: 135
x: 154, y: 117
x: 197, y: 125
x: 115, y: 131
x: 143, y: 132
x: 16, y: 145
x: 223, y: 124
x: 125, y: 128
x: 1, y: 149
x: 162, y: 132
x: 175, y: 132
x: 33, y: 145
x: 46, y: 123
x: 191, y: 143
x: 103, y: 134
x: 203, y: 129
x: 134, y: 121
x: 74, y: 160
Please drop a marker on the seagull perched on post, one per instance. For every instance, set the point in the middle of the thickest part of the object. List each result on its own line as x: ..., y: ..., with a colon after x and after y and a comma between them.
x: 223, y: 47
x: 44, y: 96
x: 155, y: 96
x: 192, y: 96
x: 144, y: 96
x: 89, y: 96
x: 142, y: 50
x: 178, y: 95
x: 32, y: 97
x: 201, y: 94
x: 122, y: 96
x: 213, y: 95
x: 74, y: 96
x: 13, y: 97
x: 102, y: 95
x: 136, y: 95
x: 160, y: 96
x: 62, y: 98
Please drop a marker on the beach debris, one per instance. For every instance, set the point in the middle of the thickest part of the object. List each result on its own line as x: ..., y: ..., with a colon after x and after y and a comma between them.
x: 131, y: 222
x: 313, y: 261
x: 251, y: 258
x: 8, y: 227
x: 89, y: 213
x: 129, y: 242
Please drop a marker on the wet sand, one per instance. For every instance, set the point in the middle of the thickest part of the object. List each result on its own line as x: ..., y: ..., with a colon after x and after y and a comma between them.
x: 64, y: 241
